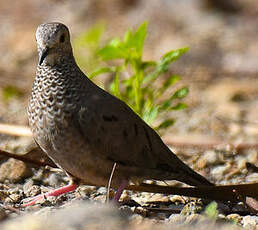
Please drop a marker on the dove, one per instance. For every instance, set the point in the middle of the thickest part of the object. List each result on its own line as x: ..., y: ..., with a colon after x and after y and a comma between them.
x: 85, y: 130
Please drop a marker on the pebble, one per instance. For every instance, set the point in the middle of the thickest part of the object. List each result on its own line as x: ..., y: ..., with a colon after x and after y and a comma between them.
x: 3, y: 214
x: 14, y: 170
x: 218, y: 171
x: 193, y: 218
x: 33, y: 191
x: 253, y: 177
x: 211, y: 157
x: 250, y: 221
x: 177, y: 219
x: 236, y: 218
x: 252, y: 157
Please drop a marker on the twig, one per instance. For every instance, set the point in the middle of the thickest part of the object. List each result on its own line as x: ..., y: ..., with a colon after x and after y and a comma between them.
x: 109, y: 182
x: 25, y: 158
x: 15, y: 130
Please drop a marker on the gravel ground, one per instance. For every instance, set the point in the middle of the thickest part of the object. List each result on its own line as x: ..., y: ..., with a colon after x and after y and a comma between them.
x: 221, y: 71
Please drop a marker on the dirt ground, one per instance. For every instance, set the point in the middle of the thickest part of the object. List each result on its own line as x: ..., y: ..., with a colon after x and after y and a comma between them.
x: 220, y: 70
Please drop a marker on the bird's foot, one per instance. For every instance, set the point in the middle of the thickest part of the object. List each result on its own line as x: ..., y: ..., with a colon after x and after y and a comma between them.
x: 55, y: 192
x: 120, y: 190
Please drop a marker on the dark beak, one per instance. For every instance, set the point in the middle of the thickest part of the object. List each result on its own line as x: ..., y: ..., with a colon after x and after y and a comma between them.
x: 43, y: 54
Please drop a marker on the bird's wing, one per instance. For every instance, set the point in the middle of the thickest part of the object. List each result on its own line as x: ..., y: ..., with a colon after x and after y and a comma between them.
x: 117, y: 133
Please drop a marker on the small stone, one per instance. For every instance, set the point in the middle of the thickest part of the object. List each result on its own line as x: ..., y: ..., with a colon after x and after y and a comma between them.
x: 177, y: 199
x: 211, y: 157
x: 252, y: 157
x: 177, y: 219
x: 33, y: 191
x: 219, y: 171
x: 250, y: 221
x: 136, y: 219
x: 252, y: 177
x: 54, y: 179
x: 159, y: 198
x: 201, y: 163
x: 85, y: 191
x: 236, y: 218
x: 27, y: 185
x: 193, y: 218
x: 14, y: 198
x: 241, y: 163
x: 14, y: 170
x: 3, y: 214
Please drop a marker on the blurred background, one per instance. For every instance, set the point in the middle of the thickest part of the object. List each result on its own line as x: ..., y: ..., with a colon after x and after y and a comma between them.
x: 220, y: 69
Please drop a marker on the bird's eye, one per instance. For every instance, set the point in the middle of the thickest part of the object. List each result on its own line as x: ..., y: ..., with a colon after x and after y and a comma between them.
x: 62, y: 38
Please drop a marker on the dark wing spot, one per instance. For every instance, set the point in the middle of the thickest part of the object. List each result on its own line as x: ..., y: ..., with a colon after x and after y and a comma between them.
x: 99, y: 140
x: 109, y: 118
x: 125, y: 133
x: 148, y: 137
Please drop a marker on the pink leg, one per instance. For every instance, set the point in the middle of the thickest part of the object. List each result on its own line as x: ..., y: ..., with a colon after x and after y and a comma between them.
x: 55, y: 192
x: 120, y: 190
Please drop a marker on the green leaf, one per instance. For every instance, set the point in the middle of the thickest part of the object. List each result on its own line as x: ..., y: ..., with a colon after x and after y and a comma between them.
x: 171, y: 81
x: 128, y: 36
x: 151, y: 115
x: 165, y: 124
x: 178, y: 106
x: 136, y: 40
x: 211, y: 210
x: 116, y: 42
x: 164, y: 63
x: 146, y: 64
x: 165, y: 105
x: 110, y: 52
x: 168, y: 58
x: 102, y: 70
x: 174, y: 54
x: 181, y: 93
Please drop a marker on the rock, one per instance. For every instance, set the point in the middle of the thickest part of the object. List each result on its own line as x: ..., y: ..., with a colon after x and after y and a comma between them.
x: 14, y: 170
x: 80, y: 216
x: 193, y: 218
x: 219, y: 171
x: 252, y: 177
x: 177, y: 219
x: 250, y: 222
x: 33, y: 191
x: 3, y: 214
x: 236, y: 218
x: 211, y: 157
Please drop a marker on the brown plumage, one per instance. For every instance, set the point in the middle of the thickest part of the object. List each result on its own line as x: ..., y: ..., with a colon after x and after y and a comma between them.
x: 85, y: 130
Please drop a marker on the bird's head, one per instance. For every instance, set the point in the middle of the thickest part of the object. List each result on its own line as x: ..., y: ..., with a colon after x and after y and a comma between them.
x: 53, y: 40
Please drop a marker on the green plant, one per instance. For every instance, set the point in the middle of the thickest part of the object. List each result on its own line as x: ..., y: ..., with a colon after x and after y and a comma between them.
x: 137, y: 82
x: 211, y: 210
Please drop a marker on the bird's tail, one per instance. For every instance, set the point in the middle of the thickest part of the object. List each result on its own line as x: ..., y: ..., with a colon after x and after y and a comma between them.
x: 188, y: 175
x: 191, y: 177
